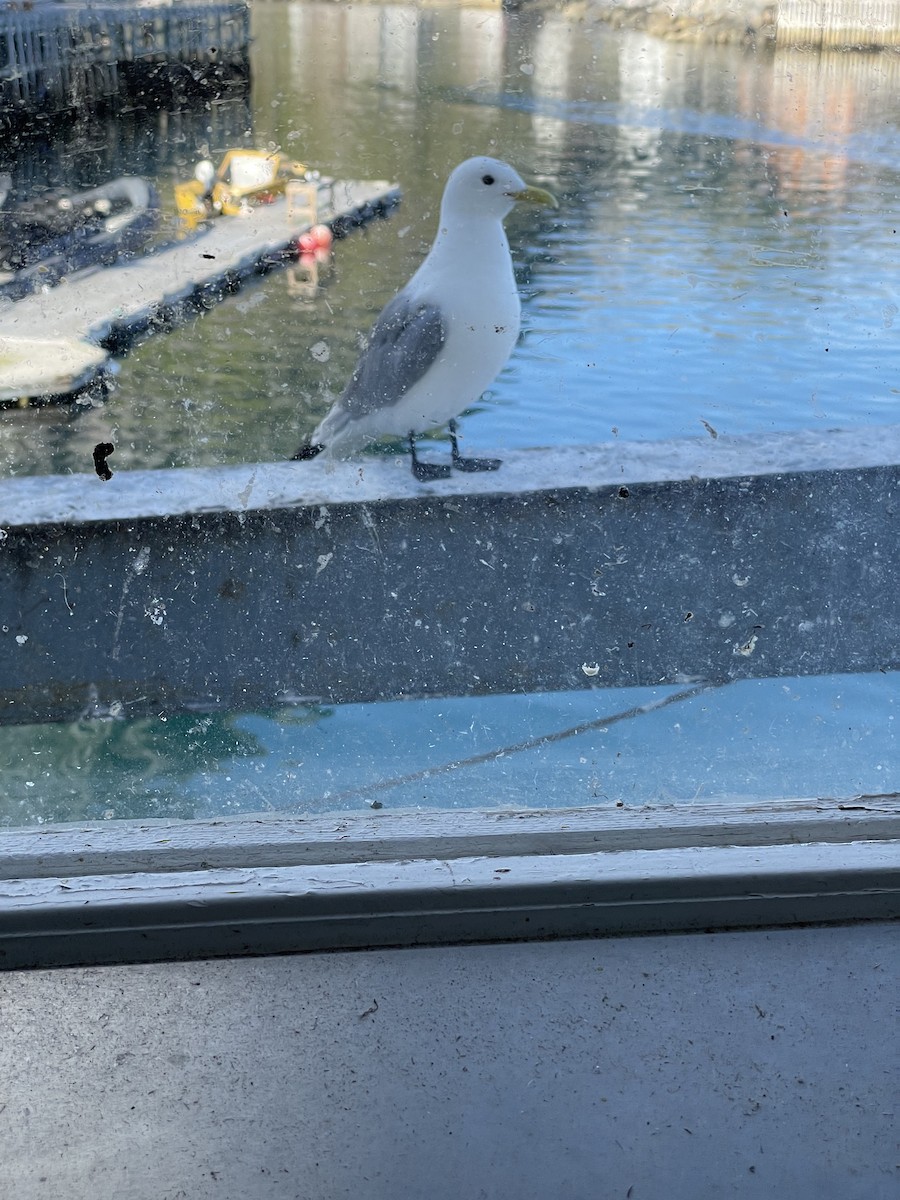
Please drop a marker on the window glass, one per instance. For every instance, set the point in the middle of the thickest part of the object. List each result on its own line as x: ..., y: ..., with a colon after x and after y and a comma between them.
x: 721, y: 266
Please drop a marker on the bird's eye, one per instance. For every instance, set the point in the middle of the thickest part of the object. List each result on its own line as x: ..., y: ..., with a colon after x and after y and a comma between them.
x: 488, y: 179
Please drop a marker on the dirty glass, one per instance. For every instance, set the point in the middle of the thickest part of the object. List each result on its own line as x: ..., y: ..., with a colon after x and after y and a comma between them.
x: 719, y: 279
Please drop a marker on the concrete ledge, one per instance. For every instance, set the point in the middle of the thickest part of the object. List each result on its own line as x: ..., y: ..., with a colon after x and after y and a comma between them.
x: 254, y: 487
x: 743, y: 1065
x: 568, y: 568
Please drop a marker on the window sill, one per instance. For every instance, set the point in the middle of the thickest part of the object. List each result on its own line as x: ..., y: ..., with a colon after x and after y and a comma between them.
x: 149, y: 891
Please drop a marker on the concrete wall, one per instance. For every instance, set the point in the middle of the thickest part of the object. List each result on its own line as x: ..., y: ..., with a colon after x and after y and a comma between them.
x: 617, y: 565
x: 745, y: 1065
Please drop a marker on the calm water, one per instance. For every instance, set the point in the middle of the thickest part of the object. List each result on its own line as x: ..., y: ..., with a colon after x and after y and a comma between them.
x: 725, y: 254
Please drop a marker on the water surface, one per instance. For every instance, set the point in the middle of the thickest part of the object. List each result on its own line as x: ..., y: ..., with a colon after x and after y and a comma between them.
x: 725, y: 253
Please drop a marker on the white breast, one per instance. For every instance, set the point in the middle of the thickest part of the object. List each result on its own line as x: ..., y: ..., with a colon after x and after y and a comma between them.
x: 475, y: 288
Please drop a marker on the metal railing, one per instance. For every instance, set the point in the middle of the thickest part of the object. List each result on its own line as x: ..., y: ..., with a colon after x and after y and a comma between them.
x: 60, y: 57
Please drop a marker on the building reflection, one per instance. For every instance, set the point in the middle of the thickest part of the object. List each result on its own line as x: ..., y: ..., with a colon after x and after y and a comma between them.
x: 821, y: 101
x: 647, y: 87
x: 800, y: 109
x: 481, y: 35
x: 550, y: 69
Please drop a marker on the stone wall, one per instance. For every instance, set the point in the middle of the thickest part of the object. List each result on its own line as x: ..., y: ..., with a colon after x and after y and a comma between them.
x: 838, y: 24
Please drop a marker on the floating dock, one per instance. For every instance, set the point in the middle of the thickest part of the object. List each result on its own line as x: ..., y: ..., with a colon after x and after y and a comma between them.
x: 58, y: 342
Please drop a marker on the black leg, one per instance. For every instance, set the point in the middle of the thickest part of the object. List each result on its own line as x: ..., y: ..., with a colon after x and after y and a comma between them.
x: 425, y: 471
x: 469, y: 464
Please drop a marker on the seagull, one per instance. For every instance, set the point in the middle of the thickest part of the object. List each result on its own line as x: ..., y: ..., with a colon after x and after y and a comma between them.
x: 442, y: 339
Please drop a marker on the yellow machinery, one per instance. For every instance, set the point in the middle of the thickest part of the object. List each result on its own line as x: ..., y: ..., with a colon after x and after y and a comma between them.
x: 244, y: 177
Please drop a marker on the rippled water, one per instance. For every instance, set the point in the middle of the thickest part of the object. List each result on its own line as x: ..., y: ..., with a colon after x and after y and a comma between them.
x: 724, y: 260
x: 722, y: 251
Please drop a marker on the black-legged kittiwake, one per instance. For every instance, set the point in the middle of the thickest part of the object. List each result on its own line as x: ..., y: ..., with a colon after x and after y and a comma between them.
x: 442, y: 340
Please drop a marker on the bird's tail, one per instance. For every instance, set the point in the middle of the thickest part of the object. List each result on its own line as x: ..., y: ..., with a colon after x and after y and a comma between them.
x: 307, y: 450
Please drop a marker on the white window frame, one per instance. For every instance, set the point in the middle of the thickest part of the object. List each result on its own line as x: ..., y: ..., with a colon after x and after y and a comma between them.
x: 146, y: 891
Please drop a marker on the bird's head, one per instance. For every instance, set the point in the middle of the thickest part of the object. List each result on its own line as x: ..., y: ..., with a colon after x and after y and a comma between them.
x: 487, y: 187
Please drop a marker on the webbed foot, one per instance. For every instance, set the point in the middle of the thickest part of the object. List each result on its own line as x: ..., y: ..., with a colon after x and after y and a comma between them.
x: 426, y: 471
x: 469, y: 464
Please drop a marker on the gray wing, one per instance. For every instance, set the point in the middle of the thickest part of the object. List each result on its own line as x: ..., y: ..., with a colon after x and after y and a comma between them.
x: 405, y: 341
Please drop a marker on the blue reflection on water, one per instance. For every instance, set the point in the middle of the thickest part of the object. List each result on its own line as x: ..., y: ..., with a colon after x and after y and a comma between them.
x: 817, y: 737
x: 757, y: 739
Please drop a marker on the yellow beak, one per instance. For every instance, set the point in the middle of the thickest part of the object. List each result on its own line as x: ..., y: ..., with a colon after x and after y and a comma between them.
x: 535, y: 195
